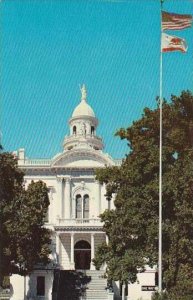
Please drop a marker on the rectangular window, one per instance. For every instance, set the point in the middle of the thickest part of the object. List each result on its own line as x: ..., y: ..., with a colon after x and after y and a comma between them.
x: 40, y: 286
x: 46, y: 217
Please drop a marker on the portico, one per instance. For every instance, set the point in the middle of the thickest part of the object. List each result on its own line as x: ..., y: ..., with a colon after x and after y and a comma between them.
x: 76, y: 249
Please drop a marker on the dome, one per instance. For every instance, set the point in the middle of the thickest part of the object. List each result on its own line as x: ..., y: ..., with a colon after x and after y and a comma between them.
x: 83, y: 109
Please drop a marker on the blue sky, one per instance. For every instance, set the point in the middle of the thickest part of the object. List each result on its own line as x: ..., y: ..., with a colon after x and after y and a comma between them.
x: 50, y: 47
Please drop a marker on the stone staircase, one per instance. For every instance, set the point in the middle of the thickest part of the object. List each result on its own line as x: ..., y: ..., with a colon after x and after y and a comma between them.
x: 79, y: 285
x: 96, y: 287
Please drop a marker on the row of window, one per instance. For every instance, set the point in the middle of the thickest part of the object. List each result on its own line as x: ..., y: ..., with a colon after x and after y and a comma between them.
x: 83, y: 130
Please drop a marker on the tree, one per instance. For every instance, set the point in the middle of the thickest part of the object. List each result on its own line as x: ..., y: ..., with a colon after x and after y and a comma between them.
x: 132, y: 227
x: 24, y: 240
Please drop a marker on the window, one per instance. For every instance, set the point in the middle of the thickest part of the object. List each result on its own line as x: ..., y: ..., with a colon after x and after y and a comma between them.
x: 92, y: 129
x: 82, y: 207
x: 78, y: 207
x: 86, y: 207
x: 46, y: 216
x: 40, y: 286
x: 74, y: 129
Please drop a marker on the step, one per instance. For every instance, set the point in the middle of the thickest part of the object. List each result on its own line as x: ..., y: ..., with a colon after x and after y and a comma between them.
x: 94, y: 296
x: 96, y: 286
x: 97, y: 281
x: 92, y: 284
x: 104, y: 297
x: 94, y: 292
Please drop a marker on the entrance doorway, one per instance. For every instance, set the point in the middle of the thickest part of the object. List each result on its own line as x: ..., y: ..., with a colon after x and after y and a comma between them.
x: 82, y: 255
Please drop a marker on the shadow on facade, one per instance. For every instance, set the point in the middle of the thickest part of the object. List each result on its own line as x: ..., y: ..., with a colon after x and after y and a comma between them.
x: 69, y: 285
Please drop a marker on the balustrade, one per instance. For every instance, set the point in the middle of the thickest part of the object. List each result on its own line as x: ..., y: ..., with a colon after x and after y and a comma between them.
x: 80, y: 222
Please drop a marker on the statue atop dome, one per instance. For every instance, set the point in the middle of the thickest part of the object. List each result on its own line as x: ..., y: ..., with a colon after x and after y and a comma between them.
x: 83, y: 92
x: 83, y: 124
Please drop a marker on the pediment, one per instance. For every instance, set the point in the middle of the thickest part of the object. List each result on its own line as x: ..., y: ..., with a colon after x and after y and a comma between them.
x: 82, y: 159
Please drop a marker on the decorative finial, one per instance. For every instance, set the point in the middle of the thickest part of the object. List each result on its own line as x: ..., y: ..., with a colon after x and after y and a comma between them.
x: 83, y: 92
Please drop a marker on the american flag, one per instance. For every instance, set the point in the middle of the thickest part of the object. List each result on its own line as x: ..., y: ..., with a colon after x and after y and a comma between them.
x: 171, y: 21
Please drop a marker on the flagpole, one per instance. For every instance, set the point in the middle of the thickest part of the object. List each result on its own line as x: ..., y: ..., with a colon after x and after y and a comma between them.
x: 160, y: 166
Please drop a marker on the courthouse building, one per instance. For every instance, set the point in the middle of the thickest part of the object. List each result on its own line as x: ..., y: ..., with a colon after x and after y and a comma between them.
x: 76, y: 201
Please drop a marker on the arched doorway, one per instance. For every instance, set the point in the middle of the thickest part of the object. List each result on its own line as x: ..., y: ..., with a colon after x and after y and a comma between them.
x: 82, y: 255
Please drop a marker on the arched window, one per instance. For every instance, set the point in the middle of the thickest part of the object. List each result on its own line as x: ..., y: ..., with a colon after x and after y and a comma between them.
x: 86, y: 206
x: 74, y: 129
x: 78, y: 207
x: 82, y: 206
x: 92, y: 130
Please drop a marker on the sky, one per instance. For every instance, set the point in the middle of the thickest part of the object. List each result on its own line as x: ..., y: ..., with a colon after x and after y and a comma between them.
x: 51, y: 47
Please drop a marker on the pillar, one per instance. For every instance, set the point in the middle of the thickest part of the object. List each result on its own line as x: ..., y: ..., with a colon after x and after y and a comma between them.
x: 123, y: 291
x: 110, y: 295
x: 92, y: 251
x: 67, y: 198
x: 51, y: 206
x: 99, y: 197
x: 60, y: 212
x: 57, y: 248
x: 109, y: 204
x: 72, y: 251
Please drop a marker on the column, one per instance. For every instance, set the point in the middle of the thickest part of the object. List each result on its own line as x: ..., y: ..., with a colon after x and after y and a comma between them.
x: 51, y: 206
x: 99, y: 198
x: 60, y: 197
x: 107, y: 239
x: 123, y: 291
x: 72, y: 251
x: 67, y: 198
x: 57, y: 248
x: 92, y: 267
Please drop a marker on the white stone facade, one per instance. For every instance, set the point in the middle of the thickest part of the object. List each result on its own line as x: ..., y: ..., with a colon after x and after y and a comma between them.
x: 76, y: 201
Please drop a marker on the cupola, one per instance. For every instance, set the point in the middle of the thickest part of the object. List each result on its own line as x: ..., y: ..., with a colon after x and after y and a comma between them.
x: 83, y: 109
x: 83, y: 124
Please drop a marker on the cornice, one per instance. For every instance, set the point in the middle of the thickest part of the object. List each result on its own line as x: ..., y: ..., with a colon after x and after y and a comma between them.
x: 78, y: 229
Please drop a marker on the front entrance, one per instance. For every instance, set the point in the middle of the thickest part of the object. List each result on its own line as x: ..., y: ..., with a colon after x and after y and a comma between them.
x: 82, y: 255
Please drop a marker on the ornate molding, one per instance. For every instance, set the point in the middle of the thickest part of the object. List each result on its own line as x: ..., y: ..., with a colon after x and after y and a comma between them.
x: 59, y: 178
x: 78, y: 229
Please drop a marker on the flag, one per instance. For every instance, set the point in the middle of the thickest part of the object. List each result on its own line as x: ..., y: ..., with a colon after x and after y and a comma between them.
x: 173, y: 21
x: 173, y: 43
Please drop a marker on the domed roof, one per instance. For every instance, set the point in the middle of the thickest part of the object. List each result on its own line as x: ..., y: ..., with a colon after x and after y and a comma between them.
x: 83, y: 109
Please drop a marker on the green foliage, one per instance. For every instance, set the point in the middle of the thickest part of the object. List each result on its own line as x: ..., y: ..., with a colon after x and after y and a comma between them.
x: 157, y: 296
x: 24, y: 240
x: 6, y: 282
x: 132, y: 227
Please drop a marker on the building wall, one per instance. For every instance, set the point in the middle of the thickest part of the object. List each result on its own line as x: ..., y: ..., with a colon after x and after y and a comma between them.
x: 59, y: 202
x: 65, y: 254
x: 26, y: 287
x: 144, y: 279
x: 18, y: 287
